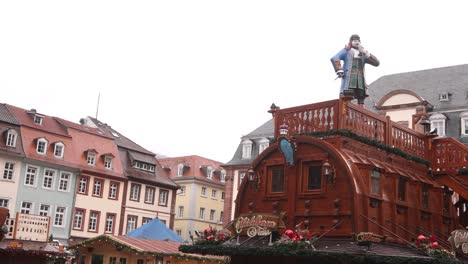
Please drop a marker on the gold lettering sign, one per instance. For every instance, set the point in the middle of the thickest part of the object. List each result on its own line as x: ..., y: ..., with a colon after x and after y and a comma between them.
x: 255, y: 225
x: 369, y: 237
x: 459, y: 238
x: 15, y: 244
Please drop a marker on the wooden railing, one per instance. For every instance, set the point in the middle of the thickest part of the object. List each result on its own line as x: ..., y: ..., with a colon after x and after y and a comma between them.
x: 322, y: 116
x: 448, y: 155
x: 340, y: 114
x: 365, y: 123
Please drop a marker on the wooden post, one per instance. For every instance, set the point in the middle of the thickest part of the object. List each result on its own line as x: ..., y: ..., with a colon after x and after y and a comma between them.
x: 276, y: 121
x: 342, y: 104
x: 388, y: 131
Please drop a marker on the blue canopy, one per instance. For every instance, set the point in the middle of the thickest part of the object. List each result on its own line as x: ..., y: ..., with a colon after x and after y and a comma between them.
x: 155, y: 230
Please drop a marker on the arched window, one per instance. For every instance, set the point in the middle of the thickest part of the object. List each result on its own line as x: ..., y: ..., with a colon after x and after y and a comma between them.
x: 464, y: 123
x: 12, y: 135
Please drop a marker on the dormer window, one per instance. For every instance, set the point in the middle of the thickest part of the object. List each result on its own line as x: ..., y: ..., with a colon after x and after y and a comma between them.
x: 246, y: 149
x: 91, y: 157
x: 38, y: 120
x: 41, y: 146
x: 59, y: 149
x: 144, y: 166
x: 180, y: 170
x: 11, y: 138
x: 209, y: 172
x: 263, y: 144
x: 464, y: 123
x: 108, y: 162
x: 438, y: 122
x: 107, y: 158
x: 443, y: 97
x: 223, y: 176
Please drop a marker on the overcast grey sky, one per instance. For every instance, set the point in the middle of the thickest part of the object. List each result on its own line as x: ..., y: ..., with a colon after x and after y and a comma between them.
x: 191, y: 77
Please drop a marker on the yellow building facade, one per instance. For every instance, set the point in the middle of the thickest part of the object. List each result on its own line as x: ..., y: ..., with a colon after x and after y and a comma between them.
x: 200, y: 199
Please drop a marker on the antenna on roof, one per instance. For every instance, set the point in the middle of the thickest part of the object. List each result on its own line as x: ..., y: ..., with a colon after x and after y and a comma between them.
x: 97, y: 107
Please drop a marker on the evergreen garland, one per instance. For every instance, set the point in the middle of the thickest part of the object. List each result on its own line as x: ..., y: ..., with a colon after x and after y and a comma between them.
x: 311, y: 255
x: 463, y: 171
x: 375, y: 143
x: 135, y: 251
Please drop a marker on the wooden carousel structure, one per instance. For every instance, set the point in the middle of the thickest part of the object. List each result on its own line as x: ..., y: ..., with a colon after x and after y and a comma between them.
x: 338, y: 172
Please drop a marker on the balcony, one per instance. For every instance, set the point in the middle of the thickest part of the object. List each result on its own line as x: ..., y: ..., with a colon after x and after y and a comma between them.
x: 445, y: 155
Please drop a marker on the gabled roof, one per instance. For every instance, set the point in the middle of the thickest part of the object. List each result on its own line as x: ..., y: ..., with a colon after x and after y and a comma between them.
x: 6, y: 116
x: 145, y: 246
x: 83, y: 128
x: 195, y: 166
x: 428, y: 84
x: 158, y: 177
x: 130, y: 151
x: 266, y: 130
x: 120, y: 139
x: 49, y: 124
x: 155, y: 230
x: 136, y: 244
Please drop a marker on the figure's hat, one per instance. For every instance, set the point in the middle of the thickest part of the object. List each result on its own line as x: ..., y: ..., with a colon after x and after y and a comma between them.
x: 354, y: 37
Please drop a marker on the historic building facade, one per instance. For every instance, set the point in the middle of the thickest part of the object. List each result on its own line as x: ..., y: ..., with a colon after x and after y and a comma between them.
x: 339, y: 179
x: 200, y: 200
x: 76, y: 181
x: 47, y: 175
x: 98, y: 192
x: 147, y: 192
x: 11, y: 158
x: 249, y: 148
x: 435, y: 97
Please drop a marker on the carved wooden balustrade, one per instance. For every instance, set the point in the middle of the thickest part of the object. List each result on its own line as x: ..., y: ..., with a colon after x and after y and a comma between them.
x: 373, y: 126
x: 340, y: 114
x: 321, y: 116
x: 448, y: 156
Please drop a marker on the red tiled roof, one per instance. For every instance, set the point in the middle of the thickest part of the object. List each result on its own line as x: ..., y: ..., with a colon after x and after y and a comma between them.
x: 92, y: 130
x: 120, y: 139
x: 157, y: 177
x: 195, y: 165
x: 6, y: 116
x: 48, y: 123
x: 147, y: 176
